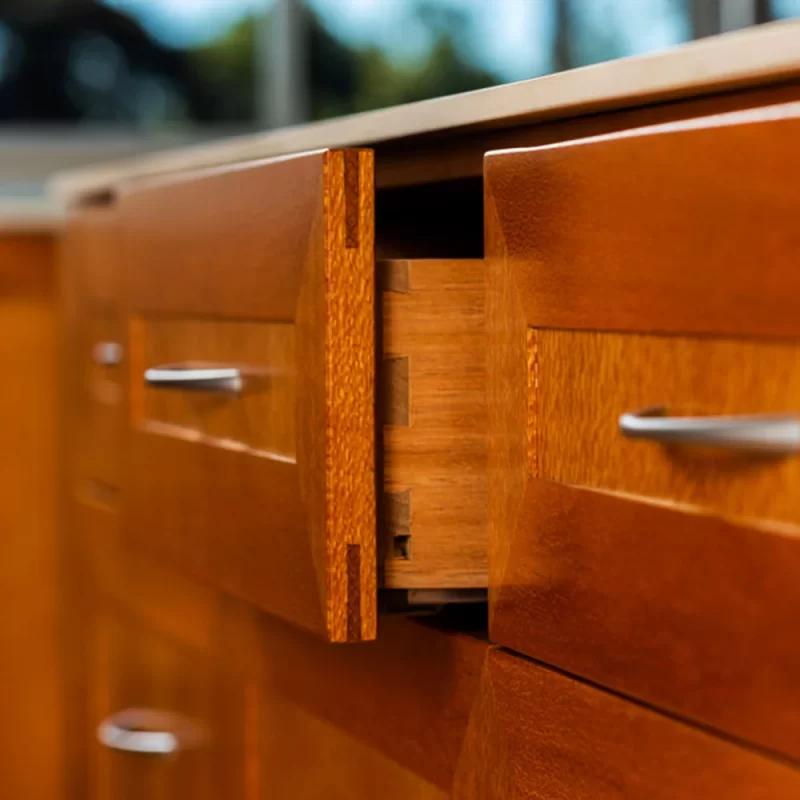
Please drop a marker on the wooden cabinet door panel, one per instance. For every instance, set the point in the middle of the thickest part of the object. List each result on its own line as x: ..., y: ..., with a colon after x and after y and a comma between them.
x: 267, y: 492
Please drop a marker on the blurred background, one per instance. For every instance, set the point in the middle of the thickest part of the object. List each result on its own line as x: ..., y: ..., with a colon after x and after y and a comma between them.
x: 85, y: 80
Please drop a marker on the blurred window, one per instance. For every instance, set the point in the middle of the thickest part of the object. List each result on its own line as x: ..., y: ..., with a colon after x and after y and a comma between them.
x: 180, y: 65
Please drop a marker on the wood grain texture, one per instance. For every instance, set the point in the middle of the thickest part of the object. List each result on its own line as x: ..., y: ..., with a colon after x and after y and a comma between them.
x: 586, y: 380
x: 406, y: 699
x: 434, y: 447
x: 91, y: 273
x: 136, y: 666
x: 508, y: 398
x: 32, y: 753
x: 539, y: 734
x: 594, y: 244
x: 287, y: 250
x: 683, y: 610
x: 260, y: 419
x: 306, y: 756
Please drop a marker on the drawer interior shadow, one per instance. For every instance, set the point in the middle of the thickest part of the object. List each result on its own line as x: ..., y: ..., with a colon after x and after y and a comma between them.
x: 434, y: 220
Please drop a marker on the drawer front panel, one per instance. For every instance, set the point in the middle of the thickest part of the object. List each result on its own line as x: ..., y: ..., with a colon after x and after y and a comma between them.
x: 97, y: 353
x: 685, y: 611
x: 433, y: 409
x: 688, y: 226
x: 267, y: 491
x: 537, y: 733
x: 662, y: 570
x: 145, y: 683
x: 584, y: 382
x: 259, y: 419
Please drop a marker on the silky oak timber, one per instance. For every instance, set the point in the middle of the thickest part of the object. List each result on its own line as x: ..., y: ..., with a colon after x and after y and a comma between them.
x: 140, y: 635
x: 408, y: 697
x: 156, y: 679
x: 584, y: 381
x: 686, y: 227
x: 91, y: 257
x: 536, y: 733
x: 673, y: 589
x: 33, y: 762
x: 282, y: 242
x: 433, y: 410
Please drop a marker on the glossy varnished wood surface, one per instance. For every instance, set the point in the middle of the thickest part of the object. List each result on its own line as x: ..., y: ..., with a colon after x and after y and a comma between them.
x: 686, y: 611
x: 434, y: 424
x: 408, y: 697
x: 32, y: 761
x: 91, y: 273
x: 538, y: 734
x: 684, y: 227
x: 293, y: 533
x: 153, y: 642
x: 692, y: 585
x: 260, y: 419
x: 583, y: 381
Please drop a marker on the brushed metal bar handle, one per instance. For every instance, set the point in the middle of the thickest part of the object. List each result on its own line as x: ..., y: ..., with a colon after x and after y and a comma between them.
x: 226, y: 380
x: 764, y: 433
x: 124, y: 731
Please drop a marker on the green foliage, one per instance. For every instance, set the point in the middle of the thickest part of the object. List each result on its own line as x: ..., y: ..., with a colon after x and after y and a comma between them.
x: 343, y: 78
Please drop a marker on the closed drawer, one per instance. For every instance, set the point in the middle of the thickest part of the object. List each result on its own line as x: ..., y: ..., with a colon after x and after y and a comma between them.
x: 321, y: 734
x: 162, y: 719
x: 660, y: 568
x: 537, y: 733
x: 96, y: 325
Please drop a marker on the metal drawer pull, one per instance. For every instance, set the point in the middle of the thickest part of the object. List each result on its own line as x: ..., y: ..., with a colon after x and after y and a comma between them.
x: 765, y: 433
x: 124, y: 731
x: 227, y: 380
x: 107, y: 354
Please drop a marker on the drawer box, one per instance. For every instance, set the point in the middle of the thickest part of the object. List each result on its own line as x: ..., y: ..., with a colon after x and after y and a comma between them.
x: 94, y: 314
x: 650, y: 268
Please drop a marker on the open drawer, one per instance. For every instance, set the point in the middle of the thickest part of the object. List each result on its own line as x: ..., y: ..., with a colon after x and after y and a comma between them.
x: 252, y: 444
x: 253, y: 461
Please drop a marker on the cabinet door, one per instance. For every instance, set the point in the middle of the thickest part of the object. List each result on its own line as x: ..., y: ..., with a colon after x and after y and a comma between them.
x: 251, y: 333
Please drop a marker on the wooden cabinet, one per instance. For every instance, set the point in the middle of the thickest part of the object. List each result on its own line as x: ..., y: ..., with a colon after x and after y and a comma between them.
x: 657, y: 566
